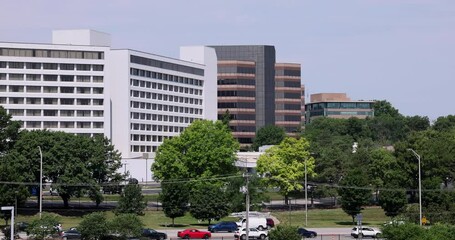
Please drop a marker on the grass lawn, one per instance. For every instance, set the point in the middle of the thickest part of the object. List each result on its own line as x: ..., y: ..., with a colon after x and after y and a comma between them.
x: 373, y: 216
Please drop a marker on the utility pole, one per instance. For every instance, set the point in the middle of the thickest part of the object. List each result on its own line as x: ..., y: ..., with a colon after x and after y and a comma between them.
x: 40, y: 182
x: 247, y: 217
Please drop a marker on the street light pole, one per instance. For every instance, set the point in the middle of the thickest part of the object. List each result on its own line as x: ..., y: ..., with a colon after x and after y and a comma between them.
x: 306, y: 196
x: 420, y: 185
x: 40, y: 182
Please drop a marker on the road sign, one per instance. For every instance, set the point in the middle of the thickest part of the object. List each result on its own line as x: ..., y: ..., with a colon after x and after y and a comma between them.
x: 424, y: 220
x: 359, y: 218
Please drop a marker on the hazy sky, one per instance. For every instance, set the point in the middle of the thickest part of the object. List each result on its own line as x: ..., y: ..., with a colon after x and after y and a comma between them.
x: 402, y: 51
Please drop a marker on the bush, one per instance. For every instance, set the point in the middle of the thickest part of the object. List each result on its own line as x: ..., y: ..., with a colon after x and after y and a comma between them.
x: 93, y: 226
x: 415, y: 232
x: 126, y: 225
x: 284, y: 232
x: 44, y: 227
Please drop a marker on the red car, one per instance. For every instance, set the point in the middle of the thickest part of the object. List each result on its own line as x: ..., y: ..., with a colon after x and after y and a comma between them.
x: 194, y: 233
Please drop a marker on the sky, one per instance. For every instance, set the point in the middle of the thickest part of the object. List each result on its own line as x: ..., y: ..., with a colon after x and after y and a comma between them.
x: 402, y: 51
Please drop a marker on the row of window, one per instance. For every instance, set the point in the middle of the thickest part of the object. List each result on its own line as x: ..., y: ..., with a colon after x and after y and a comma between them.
x: 142, y: 148
x: 17, y: 52
x: 166, y: 87
x: 236, y: 69
x: 236, y: 81
x: 165, y: 97
x: 52, y: 66
x: 158, y: 128
x: 56, y: 113
x: 341, y: 105
x: 350, y: 113
x: 237, y: 93
x: 166, y: 65
x: 237, y: 105
x: 165, y: 77
x: 50, y: 78
x: 51, y: 89
x: 164, y: 107
x: 239, y: 116
x: 52, y: 101
x: 147, y: 138
x: 159, y: 117
x: 288, y: 107
x: 63, y: 124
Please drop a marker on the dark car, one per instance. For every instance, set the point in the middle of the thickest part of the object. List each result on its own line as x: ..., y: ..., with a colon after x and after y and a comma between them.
x: 22, y: 226
x: 152, y: 234
x: 307, y: 233
x: 71, y: 234
x: 270, y: 223
x: 223, y: 227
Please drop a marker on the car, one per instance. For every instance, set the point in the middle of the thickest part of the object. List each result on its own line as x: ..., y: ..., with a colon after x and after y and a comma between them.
x: 253, y: 234
x: 22, y: 226
x: 153, y: 234
x: 71, y: 234
x: 223, y: 227
x: 194, y: 233
x: 365, y: 231
x: 270, y: 223
x: 306, y: 233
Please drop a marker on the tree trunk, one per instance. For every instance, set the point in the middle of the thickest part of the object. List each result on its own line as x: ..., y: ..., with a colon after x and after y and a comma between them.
x: 286, y: 199
x: 353, y: 219
x: 65, y: 199
x: 209, y: 221
x: 173, y: 221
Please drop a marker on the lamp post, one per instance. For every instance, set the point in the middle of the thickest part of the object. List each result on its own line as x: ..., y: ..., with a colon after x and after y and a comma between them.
x: 40, y: 182
x: 15, y: 202
x: 420, y: 186
x: 306, y: 196
x: 146, y: 156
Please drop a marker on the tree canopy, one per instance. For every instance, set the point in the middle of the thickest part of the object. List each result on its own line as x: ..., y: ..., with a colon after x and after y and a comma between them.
x: 268, y: 135
x: 283, y: 165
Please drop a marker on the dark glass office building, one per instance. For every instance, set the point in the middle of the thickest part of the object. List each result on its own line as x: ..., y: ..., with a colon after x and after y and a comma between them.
x: 252, y: 86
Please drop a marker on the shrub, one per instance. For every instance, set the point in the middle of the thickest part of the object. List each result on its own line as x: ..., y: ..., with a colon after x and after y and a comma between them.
x: 284, y: 232
x: 44, y: 227
x: 93, y: 226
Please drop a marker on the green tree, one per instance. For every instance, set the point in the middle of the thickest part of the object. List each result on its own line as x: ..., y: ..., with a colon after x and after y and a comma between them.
x: 41, y: 228
x: 418, y: 123
x: 283, y: 165
x: 268, y: 135
x: 94, y: 226
x: 174, y: 198
x: 393, y: 200
x: 208, y: 201
x: 131, y: 200
x: 226, y: 118
x: 403, y: 232
x: 126, y: 225
x: 284, y: 232
x: 9, y: 131
x: 256, y: 192
x: 203, y: 143
x: 385, y: 108
x: 74, y: 164
x: 354, y: 192
x: 444, y: 123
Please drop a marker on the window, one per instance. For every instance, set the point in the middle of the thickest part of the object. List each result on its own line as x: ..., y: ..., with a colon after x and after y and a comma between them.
x: 17, y: 65
x: 83, y: 124
x: 97, y: 113
x: 98, y: 67
x: 50, y: 101
x: 67, y: 101
x: 67, y: 78
x: 50, y: 112
x: 33, y: 124
x: 16, y: 112
x: 83, y: 90
x: 2, y: 76
x: 16, y: 88
x: 82, y: 78
x: 83, y: 67
x: 50, y: 66
x: 52, y: 78
x: 98, y: 124
x: 67, y: 124
x: 83, y: 101
x: 98, y: 102
x: 64, y: 66
x: 16, y: 100
x: 66, y: 89
x: 33, y: 112
x: 50, y: 89
x: 97, y: 79
x: 83, y: 113
x: 33, y: 100
x: 66, y: 113
x: 33, y: 77
x: 33, y: 65
x: 2, y: 64
x: 13, y: 76
x: 51, y: 124
x: 97, y: 90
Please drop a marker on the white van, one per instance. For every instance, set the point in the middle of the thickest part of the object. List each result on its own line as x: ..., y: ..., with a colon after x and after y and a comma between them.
x: 259, y: 223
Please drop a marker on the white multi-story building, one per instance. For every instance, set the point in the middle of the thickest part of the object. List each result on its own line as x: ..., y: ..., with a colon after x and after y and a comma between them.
x: 78, y: 84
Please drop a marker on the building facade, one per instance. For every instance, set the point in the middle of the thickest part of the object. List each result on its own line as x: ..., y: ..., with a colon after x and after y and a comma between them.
x: 78, y: 84
x: 256, y: 91
x: 337, y: 105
